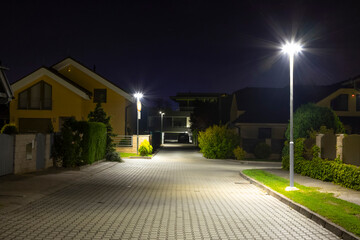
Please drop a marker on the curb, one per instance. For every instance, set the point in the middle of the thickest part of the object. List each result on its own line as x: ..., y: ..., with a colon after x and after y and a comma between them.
x: 332, y: 227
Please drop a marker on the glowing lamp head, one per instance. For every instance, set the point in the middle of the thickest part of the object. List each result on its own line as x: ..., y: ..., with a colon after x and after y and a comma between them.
x: 291, y: 48
x: 138, y: 95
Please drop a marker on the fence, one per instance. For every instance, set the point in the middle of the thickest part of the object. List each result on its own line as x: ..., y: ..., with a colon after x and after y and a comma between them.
x: 339, y: 145
x: 23, y: 153
x: 123, y: 141
x: 128, y: 143
x: 6, y: 154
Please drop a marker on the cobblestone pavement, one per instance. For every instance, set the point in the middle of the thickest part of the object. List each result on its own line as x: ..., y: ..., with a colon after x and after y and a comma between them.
x: 175, y: 195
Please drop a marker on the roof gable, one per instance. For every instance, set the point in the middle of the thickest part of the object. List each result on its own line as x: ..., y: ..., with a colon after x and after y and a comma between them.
x: 56, y: 77
x: 69, y: 61
x: 6, y: 93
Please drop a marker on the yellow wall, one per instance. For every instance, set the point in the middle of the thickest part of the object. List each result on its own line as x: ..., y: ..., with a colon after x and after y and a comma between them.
x: 351, y: 102
x: 115, y: 103
x: 65, y: 103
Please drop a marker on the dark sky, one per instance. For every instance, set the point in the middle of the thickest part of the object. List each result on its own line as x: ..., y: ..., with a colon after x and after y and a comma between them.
x: 165, y: 47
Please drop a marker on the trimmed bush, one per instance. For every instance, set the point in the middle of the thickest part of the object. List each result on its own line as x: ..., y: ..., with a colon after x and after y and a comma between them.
x: 239, y: 153
x: 145, y: 148
x: 310, y: 117
x: 218, y: 142
x: 9, y: 129
x: 325, y: 170
x: 113, y: 157
x: 262, y: 151
x: 80, y: 143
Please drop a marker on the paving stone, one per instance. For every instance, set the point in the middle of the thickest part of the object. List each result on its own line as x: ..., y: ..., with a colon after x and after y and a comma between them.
x: 176, y: 195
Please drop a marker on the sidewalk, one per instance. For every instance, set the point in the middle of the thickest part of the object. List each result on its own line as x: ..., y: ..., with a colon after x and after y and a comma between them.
x: 19, y: 190
x: 339, y: 191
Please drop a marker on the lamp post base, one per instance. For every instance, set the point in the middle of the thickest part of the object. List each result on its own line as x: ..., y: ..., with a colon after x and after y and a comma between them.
x: 291, y: 189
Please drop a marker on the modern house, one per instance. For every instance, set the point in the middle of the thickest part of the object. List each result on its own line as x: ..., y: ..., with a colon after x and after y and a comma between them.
x: 176, y: 123
x: 45, y: 98
x: 262, y: 114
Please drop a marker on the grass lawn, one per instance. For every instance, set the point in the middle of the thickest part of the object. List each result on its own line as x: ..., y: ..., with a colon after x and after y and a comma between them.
x: 343, y: 213
x: 126, y: 155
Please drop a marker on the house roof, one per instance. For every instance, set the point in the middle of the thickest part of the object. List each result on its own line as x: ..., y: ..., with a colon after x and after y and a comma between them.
x: 82, y: 92
x: 6, y: 94
x: 70, y: 61
x: 271, y: 105
x: 194, y: 96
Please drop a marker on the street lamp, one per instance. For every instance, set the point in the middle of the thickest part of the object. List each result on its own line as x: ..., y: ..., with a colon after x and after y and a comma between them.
x: 161, y: 126
x: 291, y: 48
x: 138, y: 96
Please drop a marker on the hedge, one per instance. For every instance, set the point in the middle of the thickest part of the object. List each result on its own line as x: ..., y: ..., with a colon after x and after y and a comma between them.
x: 80, y: 143
x: 325, y: 170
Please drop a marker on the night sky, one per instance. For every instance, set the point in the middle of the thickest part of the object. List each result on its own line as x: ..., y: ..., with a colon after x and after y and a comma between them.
x: 165, y: 47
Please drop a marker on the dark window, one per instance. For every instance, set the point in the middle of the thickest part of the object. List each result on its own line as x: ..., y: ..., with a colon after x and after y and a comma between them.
x: 264, y: 133
x: 99, y: 95
x: 357, y: 102
x: 340, y: 103
x: 36, y: 97
x: 179, y: 122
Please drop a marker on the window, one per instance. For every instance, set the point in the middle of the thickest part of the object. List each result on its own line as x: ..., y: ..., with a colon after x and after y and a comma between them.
x: 264, y: 133
x: 179, y: 122
x: 357, y: 102
x: 340, y: 103
x: 99, y: 95
x: 36, y: 97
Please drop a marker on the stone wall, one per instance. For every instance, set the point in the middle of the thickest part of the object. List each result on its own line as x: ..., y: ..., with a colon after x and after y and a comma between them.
x: 25, y: 153
x: 134, y: 144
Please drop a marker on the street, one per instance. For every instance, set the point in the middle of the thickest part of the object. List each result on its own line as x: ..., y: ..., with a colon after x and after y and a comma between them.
x: 176, y: 195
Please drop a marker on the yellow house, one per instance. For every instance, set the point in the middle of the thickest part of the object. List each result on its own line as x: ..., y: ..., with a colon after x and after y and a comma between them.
x: 47, y: 97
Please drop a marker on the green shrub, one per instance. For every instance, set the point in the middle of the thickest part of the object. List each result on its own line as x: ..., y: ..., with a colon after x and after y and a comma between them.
x: 325, y: 170
x: 99, y: 115
x: 9, y: 129
x: 330, y: 171
x: 262, y: 151
x: 113, y: 157
x: 218, y: 142
x: 80, y: 143
x: 145, y: 148
x: 239, y: 153
x: 310, y: 117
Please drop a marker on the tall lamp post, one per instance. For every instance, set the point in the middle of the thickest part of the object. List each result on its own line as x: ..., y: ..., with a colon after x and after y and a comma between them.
x: 138, y: 96
x: 291, y: 48
x: 161, y: 126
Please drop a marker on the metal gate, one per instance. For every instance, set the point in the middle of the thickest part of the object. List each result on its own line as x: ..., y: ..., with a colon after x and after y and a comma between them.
x: 6, y: 154
x: 40, y: 152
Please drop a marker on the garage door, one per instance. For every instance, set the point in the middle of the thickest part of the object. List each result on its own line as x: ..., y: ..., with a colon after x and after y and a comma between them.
x: 34, y: 125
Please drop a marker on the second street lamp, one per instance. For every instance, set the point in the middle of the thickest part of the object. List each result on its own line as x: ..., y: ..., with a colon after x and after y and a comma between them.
x: 291, y: 49
x: 138, y: 96
x: 161, y: 126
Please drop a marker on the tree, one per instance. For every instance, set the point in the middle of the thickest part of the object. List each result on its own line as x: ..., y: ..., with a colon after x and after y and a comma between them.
x: 205, y: 114
x: 99, y: 115
x: 310, y: 117
x: 218, y: 142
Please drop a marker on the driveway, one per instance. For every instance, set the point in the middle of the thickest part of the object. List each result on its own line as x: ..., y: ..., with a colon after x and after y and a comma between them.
x: 176, y: 195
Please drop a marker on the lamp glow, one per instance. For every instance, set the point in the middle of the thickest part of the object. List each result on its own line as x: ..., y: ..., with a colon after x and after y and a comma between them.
x: 138, y: 95
x: 291, y: 48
